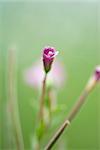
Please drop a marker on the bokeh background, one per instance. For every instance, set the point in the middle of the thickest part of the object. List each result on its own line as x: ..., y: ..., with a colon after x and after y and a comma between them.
x: 72, y: 27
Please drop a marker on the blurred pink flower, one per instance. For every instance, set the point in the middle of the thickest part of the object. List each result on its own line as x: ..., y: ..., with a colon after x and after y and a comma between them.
x: 49, y: 54
x: 33, y: 76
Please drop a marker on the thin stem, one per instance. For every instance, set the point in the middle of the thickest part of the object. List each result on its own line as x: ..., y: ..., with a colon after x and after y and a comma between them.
x: 13, y: 100
x: 42, y: 99
x: 77, y: 106
x: 70, y: 117
x: 57, y: 135
x: 41, y: 109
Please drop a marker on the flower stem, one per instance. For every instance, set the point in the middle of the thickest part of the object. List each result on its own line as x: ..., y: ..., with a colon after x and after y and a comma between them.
x: 71, y: 115
x: 42, y: 99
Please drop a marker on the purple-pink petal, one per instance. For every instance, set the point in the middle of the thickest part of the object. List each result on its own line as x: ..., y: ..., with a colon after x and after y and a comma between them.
x: 47, y: 49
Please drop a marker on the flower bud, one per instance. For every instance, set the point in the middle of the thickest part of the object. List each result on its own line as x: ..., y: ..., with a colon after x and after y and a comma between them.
x: 94, y: 79
x: 49, y: 53
x: 97, y: 73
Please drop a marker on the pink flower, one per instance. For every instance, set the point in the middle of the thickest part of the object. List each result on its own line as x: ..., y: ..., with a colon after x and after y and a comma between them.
x: 97, y: 73
x: 33, y: 76
x: 49, y: 54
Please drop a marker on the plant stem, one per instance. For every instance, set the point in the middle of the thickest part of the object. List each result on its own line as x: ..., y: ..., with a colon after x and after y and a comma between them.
x: 12, y: 96
x: 71, y: 115
x: 42, y: 99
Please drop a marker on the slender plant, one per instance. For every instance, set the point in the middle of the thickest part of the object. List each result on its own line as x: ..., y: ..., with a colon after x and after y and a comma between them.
x: 48, y: 56
x: 49, y: 53
x: 89, y: 87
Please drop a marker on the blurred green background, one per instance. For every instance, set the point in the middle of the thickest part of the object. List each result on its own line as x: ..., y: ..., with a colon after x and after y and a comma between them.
x: 72, y: 28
